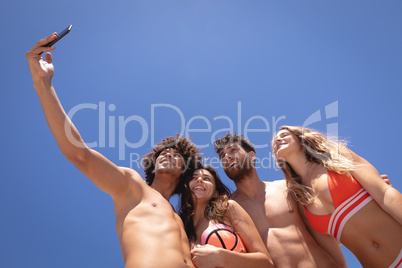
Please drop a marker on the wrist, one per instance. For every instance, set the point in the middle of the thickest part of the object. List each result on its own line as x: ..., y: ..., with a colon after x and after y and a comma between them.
x: 222, y: 257
x: 42, y: 83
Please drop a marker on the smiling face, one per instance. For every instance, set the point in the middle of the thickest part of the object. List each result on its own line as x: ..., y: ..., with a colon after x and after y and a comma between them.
x: 236, y: 162
x: 203, y: 185
x: 169, y: 161
x: 285, y: 143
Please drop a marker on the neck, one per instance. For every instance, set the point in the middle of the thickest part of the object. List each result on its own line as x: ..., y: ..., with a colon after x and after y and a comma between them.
x: 302, y: 167
x: 250, y: 185
x: 164, y: 184
x: 199, y: 210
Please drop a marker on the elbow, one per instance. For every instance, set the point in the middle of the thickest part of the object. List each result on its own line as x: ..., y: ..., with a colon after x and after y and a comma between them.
x: 264, y: 260
x: 73, y: 147
x: 269, y: 262
x: 76, y: 156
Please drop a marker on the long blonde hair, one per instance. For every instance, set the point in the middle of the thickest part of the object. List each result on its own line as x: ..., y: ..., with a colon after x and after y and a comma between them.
x: 319, y: 149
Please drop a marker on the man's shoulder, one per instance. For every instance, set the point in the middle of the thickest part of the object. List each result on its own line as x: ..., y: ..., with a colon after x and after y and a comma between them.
x: 276, y: 183
x: 274, y: 188
x: 134, y: 178
x: 130, y: 172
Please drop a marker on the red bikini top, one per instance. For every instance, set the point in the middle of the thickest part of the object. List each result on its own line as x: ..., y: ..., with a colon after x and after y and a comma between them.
x: 348, y: 197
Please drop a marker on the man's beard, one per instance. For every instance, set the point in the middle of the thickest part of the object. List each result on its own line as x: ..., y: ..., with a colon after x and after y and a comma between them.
x: 241, y: 170
x: 168, y: 170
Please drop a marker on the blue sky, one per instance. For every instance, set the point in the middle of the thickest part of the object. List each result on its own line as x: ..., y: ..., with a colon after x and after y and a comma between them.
x: 133, y: 72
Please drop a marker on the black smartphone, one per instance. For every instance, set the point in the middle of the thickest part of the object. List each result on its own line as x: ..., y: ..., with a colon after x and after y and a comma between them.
x: 60, y: 36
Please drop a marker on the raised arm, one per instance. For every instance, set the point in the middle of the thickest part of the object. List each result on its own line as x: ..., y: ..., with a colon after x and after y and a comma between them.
x: 257, y: 256
x: 383, y: 193
x: 103, y: 173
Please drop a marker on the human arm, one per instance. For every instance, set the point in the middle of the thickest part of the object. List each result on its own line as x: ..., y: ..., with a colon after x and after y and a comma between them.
x: 103, y: 173
x: 209, y: 256
x: 383, y: 193
x: 385, y: 178
x: 256, y: 256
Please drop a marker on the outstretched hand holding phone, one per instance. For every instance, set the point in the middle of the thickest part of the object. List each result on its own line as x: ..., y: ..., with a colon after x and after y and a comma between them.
x: 43, y: 70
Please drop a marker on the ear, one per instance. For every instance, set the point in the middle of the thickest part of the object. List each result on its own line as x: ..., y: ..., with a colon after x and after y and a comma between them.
x: 252, y: 158
x: 252, y: 155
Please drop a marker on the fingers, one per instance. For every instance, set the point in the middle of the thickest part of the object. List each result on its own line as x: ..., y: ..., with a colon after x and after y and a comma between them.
x: 39, y: 47
x: 48, y: 58
x: 37, y: 53
x: 45, y: 40
x: 44, y: 49
x: 385, y: 178
x: 197, y: 247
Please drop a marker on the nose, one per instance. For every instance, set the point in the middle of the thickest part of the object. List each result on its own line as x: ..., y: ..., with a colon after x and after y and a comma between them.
x: 169, y: 154
x: 200, y: 180
x: 276, y: 144
x: 277, y: 140
x: 227, y: 156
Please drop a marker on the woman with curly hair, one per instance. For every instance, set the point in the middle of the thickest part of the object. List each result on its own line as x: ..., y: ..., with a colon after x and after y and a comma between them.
x: 210, y: 218
x: 342, y: 195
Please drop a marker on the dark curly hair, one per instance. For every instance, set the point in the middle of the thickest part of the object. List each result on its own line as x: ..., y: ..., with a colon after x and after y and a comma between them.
x: 230, y: 138
x: 191, y: 158
x: 217, y: 209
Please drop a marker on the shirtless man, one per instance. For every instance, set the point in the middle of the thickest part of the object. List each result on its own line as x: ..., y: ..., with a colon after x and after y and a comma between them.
x: 274, y: 211
x: 151, y: 234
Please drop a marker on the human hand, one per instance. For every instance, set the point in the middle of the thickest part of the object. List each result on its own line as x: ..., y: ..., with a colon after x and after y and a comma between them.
x: 206, y: 256
x: 385, y: 178
x: 41, y: 70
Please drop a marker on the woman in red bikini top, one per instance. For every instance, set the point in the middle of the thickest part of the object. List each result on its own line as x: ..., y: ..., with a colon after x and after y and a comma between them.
x: 342, y: 196
x: 220, y: 232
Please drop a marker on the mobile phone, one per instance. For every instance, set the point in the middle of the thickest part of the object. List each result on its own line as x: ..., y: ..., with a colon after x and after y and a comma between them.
x: 60, y: 36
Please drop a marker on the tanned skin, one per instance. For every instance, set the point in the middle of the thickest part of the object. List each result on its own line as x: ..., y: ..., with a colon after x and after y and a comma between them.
x: 151, y: 234
x: 374, y: 233
x: 275, y: 214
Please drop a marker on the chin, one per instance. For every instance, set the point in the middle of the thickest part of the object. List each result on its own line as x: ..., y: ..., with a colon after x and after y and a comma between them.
x: 237, y: 174
x: 165, y: 170
x: 234, y: 174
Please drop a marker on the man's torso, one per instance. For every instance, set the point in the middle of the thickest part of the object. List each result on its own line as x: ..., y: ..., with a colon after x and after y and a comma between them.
x: 282, y: 229
x: 151, y: 234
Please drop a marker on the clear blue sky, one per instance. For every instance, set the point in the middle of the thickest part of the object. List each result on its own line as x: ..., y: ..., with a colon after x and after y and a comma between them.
x: 144, y: 70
